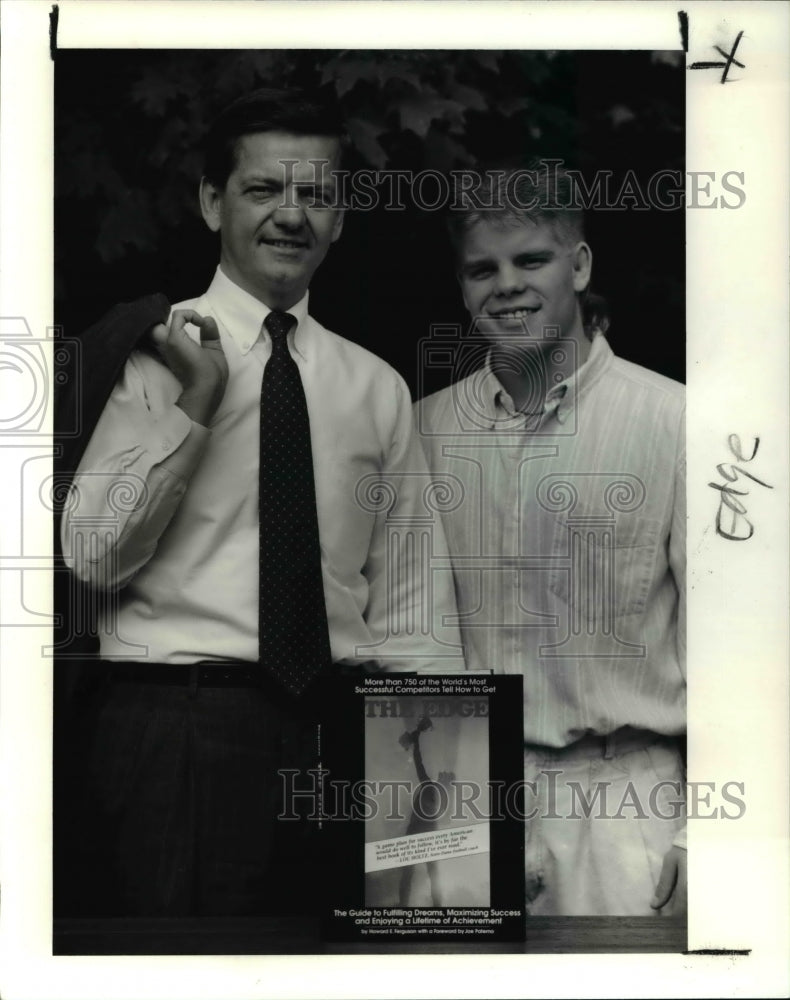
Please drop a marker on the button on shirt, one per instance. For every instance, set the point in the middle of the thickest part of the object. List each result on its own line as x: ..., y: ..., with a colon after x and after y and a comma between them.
x: 569, y: 543
x: 165, y: 511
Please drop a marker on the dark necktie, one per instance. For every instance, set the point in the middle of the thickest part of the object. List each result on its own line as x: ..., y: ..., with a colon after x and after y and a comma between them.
x: 293, y: 633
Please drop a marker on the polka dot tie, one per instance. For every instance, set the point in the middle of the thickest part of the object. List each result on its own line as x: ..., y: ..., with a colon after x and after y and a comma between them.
x: 293, y: 632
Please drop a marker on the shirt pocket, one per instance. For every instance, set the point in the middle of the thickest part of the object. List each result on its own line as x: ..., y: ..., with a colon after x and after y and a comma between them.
x: 604, y: 566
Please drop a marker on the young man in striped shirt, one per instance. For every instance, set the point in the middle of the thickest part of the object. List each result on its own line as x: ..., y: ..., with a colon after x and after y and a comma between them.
x: 568, y: 548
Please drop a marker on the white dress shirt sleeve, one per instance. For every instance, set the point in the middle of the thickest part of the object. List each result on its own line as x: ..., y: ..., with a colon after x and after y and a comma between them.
x: 131, y: 478
x: 677, y: 554
x: 405, y: 593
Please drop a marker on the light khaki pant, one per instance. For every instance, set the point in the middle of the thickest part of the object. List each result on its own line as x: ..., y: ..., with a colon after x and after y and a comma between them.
x: 605, y: 814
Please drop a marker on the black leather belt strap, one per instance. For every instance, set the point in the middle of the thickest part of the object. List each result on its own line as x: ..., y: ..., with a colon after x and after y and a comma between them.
x: 214, y: 673
x: 206, y: 674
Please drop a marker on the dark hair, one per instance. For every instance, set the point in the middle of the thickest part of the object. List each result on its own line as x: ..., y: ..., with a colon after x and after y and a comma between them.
x: 268, y: 110
x: 540, y: 191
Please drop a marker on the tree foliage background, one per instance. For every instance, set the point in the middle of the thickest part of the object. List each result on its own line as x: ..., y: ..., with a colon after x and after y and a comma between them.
x: 127, y: 165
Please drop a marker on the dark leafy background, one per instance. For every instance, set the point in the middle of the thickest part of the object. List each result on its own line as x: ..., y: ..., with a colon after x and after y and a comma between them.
x: 128, y: 125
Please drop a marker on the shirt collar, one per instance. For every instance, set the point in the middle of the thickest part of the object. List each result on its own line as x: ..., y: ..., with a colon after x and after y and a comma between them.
x: 560, y: 399
x: 242, y: 315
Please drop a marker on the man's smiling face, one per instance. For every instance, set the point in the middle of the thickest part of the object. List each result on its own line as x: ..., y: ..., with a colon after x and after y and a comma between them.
x: 274, y: 216
x: 517, y: 275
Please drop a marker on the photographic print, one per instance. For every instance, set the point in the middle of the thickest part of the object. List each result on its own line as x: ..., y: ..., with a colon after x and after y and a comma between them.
x: 445, y: 347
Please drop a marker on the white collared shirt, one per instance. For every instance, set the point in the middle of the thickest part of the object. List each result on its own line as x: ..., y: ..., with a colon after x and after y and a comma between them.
x: 569, y: 544
x: 164, y: 520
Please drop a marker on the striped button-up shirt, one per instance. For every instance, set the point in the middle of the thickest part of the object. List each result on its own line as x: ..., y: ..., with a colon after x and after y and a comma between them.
x: 566, y: 531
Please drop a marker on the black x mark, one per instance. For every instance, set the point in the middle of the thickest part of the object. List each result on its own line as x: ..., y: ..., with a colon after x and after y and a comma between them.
x: 730, y: 59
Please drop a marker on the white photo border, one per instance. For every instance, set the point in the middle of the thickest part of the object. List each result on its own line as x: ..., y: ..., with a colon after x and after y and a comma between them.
x: 737, y: 376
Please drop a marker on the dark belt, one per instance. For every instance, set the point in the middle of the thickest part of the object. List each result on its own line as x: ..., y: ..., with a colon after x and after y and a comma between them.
x: 206, y: 674
x: 591, y: 746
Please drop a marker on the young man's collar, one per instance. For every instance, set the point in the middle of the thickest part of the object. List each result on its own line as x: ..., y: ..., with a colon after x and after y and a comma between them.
x: 559, y: 400
x: 243, y: 315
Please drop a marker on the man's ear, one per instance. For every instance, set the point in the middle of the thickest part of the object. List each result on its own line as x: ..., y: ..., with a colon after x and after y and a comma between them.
x: 337, y: 228
x: 460, y: 280
x: 210, y: 204
x: 582, y: 266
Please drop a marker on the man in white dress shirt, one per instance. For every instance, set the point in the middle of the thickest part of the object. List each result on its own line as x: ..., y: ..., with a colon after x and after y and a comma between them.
x: 568, y: 548
x: 179, y: 768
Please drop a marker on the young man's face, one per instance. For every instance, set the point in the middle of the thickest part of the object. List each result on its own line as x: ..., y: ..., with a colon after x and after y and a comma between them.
x: 516, y: 274
x: 273, y: 215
